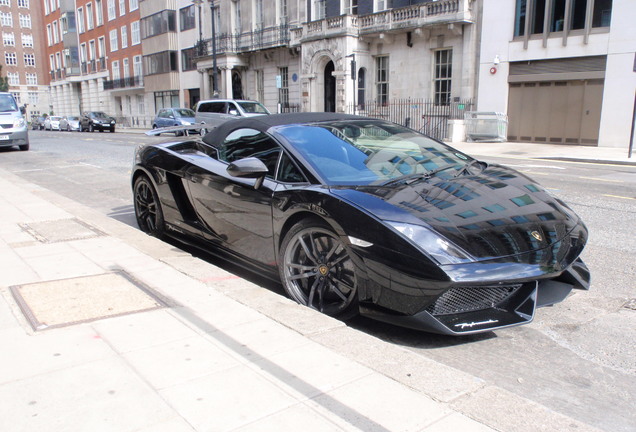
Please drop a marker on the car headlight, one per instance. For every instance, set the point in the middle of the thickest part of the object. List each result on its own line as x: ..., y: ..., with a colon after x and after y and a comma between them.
x: 438, y: 248
x: 185, y: 123
x: 19, y: 122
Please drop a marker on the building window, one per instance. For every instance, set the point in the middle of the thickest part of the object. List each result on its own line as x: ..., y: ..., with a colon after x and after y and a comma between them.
x: 602, y: 13
x: 260, y: 86
x: 187, y: 59
x: 112, y: 12
x: 91, y: 50
x: 10, y: 59
x: 29, y: 59
x: 133, y: 5
x: 443, y: 75
x: 158, y: 23
x: 27, y: 41
x: 137, y: 68
x: 56, y: 35
x: 350, y: 7
x: 126, y: 66
x: 382, y: 79
x: 99, y: 12
x: 124, y: 37
x: 6, y: 19
x: 89, y: 16
x: 162, y: 62
x: 33, y: 98
x: 25, y: 21
x: 23, y: 4
x: 320, y: 10
x: 113, y: 40
x: 101, y: 46
x: 18, y: 97
x: 31, y: 79
x: 187, y: 18
x: 14, y: 78
x: 8, y: 39
x: 122, y: 7
x: 362, y: 85
x: 115, y: 73
x: 166, y: 99
x: 258, y: 15
x: 141, y: 104
x: 283, y: 91
x: 380, y: 5
x: 80, y: 20
x: 5, y: 3
x: 135, y: 36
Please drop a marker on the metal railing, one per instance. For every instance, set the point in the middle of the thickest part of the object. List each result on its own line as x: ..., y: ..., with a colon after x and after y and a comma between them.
x: 422, y: 115
x: 259, y: 39
x: 135, y: 81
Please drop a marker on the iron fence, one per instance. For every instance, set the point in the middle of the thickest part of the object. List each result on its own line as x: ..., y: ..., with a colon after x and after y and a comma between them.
x: 422, y: 115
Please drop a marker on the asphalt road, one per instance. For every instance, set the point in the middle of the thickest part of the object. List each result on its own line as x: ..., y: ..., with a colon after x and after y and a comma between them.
x: 577, y: 358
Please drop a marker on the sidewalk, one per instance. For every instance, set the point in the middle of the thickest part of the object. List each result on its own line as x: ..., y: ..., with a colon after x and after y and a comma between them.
x: 104, y: 328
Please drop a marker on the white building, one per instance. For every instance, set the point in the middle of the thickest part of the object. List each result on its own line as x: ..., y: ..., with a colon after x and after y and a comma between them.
x: 563, y: 70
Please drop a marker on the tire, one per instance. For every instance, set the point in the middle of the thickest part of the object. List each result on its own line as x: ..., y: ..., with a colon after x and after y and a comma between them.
x: 90, y: 127
x: 112, y: 130
x: 68, y: 128
x: 24, y: 147
x: 316, y: 269
x: 148, y: 208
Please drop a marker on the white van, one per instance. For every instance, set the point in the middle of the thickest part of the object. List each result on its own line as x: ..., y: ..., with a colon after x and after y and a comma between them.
x: 216, y: 111
x: 13, y: 126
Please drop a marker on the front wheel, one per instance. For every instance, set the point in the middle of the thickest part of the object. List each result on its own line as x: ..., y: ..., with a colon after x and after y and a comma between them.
x: 148, y: 208
x: 24, y: 147
x: 317, y: 271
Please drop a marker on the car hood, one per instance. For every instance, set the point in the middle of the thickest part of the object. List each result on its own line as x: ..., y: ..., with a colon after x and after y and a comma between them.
x: 499, y: 212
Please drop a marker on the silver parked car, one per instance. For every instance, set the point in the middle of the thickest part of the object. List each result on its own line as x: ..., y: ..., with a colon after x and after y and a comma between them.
x: 217, y: 111
x: 70, y: 123
x: 14, y: 131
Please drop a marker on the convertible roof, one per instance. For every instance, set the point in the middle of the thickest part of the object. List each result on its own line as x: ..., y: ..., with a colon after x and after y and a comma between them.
x: 264, y: 122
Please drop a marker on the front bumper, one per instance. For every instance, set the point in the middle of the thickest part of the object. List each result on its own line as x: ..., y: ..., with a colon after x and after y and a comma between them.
x: 14, y: 137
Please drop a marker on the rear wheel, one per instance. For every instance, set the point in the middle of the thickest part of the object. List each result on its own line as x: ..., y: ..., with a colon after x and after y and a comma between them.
x: 148, y: 208
x: 90, y: 127
x: 317, y: 271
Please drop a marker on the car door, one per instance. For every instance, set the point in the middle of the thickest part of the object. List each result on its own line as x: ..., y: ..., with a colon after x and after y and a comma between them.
x: 230, y: 207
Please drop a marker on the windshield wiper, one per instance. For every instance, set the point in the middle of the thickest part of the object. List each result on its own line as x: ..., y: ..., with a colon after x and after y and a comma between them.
x: 412, y: 178
x: 465, y: 168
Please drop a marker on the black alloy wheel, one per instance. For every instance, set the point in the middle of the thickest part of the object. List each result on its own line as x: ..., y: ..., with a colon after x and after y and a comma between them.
x: 147, y: 208
x: 317, y: 271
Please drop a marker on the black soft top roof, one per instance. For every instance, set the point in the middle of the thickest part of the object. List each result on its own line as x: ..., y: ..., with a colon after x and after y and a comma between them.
x: 265, y: 122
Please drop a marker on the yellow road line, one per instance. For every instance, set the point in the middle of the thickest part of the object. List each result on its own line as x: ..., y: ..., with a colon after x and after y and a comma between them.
x: 619, y: 196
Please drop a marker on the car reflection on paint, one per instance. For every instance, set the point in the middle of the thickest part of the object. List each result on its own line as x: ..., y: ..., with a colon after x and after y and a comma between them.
x: 363, y: 216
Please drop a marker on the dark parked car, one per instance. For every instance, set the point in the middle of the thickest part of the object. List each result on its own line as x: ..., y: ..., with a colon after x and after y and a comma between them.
x: 359, y: 215
x: 97, y: 120
x: 37, y: 122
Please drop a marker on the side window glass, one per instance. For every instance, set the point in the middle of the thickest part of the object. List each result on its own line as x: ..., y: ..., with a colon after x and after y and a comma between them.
x: 288, y: 172
x: 244, y: 143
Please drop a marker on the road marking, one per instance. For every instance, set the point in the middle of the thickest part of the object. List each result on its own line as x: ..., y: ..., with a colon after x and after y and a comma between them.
x: 619, y: 196
x: 604, y: 180
x: 90, y: 165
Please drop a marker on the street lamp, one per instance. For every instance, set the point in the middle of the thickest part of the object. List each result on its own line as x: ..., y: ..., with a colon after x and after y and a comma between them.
x: 215, y: 86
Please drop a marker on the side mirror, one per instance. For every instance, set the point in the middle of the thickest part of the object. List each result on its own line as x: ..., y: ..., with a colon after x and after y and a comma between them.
x: 233, y: 112
x: 249, y: 168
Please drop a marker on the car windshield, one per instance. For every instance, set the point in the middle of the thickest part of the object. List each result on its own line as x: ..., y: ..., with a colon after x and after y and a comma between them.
x: 100, y: 115
x: 184, y: 112
x: 73, y: 118
x: 7, y: 103
x: 55, y: 118
x: 371, y: 152
x: 253, y: 107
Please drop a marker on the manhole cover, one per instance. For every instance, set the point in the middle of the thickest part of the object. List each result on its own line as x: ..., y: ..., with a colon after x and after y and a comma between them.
x: 70, y: 301
x: 60, y: 230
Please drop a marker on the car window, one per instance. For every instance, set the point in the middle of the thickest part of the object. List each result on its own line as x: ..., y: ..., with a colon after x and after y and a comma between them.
x: 288, y: 172
x: 253, y: 107
x: 212, y: 107
x: 244, y: 143
x: 7, y: 103
x: 184, y: 112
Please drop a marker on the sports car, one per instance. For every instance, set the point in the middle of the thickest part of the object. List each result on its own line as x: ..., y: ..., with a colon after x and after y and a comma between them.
x: 362, y: 216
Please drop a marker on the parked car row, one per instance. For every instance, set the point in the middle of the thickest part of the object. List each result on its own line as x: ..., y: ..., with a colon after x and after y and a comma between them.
x: 90, y: 121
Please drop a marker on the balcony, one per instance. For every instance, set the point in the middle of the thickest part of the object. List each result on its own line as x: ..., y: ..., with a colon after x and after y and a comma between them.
x: 121, y: 83
x: 256, y: 40
x: 440, y: 12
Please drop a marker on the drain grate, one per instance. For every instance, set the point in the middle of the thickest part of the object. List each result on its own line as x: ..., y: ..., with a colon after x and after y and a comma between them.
x: 65, y: 302
x: 60, y: 230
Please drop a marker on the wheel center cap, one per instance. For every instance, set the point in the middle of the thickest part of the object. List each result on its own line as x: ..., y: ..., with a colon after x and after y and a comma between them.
x: 323, y: 269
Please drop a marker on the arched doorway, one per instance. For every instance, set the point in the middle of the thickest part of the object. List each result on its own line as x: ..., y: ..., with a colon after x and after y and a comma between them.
x: 237, y: 86
x: 330, y: 88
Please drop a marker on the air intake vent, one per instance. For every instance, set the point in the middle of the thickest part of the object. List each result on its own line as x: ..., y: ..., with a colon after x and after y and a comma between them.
x: 469, y: 299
